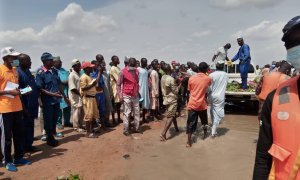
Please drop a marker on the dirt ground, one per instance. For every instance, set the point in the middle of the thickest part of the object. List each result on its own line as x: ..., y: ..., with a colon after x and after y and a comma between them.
x: 113, y: 156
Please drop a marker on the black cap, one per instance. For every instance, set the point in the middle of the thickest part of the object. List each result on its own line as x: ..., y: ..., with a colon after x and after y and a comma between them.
x: 46, y: 56
x: 292, y: 24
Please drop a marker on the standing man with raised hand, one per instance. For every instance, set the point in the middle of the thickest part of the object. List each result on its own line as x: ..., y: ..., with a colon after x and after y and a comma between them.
x: 198, y: 86
x: 144, y: 87
x: 11, y: 122
x: 278, y: 146
x: 216, y: 96
x: 29, y: 101
x: 128, y: 91
x: 47, y: 80
x: 114, y: 76
x: 65, y: 109
x: 75, y: 97
x: 245, y: 59
x: 169, y: 90
x: 88, y: 92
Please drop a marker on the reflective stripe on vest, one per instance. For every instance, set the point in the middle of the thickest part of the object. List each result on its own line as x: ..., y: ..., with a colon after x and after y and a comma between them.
x: 286, y: 131
x: 270, y: 82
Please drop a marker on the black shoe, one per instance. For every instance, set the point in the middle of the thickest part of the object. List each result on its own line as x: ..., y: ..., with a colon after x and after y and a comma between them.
x: 126, y: 133
x: 52, y: 143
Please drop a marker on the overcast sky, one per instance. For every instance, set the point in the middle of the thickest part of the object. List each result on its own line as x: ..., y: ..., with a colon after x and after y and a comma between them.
x: 182, y: 30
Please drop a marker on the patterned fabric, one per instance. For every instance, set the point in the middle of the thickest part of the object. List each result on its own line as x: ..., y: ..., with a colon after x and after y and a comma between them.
x: 171, y: 110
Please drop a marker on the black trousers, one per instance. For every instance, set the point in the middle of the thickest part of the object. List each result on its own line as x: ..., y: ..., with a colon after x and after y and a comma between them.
x: 28, y: 120
x: 13, y: 126
x: 50, y: 114
x: 192, y: 120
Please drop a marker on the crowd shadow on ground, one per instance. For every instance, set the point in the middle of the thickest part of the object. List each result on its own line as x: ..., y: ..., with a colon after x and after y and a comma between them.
x: 49, y: 152
x: 173, y: 133
x: 145, y: 127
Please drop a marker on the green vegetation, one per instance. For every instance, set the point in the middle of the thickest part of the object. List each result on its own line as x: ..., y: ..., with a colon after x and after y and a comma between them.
x: 236, y: 87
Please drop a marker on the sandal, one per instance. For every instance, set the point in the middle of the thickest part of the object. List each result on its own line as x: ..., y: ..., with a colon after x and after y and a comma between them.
x: 162, y: 138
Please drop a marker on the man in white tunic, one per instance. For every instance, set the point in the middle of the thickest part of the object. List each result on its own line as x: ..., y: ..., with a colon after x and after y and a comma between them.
x: 144, y: 87
x: 216, y: 96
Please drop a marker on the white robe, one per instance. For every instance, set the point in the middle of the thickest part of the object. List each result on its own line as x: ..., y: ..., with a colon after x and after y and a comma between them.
x: 144, y: 87
x: 216, y: 97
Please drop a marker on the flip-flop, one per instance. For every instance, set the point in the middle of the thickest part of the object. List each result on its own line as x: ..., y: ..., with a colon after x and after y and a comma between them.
x: 162, y: 138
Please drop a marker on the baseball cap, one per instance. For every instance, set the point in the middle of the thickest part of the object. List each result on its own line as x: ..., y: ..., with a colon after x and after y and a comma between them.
x: 56, y: 58
x: 9, y: 51
x: 86, y: 65
x: 75, y: 61
x: 46, y: 56
x: 292, y: 24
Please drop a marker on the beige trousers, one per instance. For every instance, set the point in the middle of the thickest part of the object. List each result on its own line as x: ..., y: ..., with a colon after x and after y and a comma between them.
x: 131, y: 106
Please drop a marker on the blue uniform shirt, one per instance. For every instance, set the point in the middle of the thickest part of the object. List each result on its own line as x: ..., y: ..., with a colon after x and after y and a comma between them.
x: 30, y: 101
x: 48, y: 80
x: 243, y: 55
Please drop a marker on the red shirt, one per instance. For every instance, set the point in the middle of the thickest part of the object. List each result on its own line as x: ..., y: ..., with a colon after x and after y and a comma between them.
x: 198, y: 85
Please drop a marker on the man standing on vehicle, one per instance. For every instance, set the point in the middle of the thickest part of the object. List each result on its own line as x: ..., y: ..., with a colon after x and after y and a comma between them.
x: 244, y: 56
x: 221, y: 55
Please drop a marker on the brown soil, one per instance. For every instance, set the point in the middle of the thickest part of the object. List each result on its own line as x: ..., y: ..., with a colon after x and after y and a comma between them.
x: 229, y: 156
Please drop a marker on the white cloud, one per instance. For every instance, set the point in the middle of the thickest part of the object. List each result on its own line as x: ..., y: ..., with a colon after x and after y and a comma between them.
x: 73, y: 21
x: 74, y: 31
x: 238, y: 3
x: 262, y: 31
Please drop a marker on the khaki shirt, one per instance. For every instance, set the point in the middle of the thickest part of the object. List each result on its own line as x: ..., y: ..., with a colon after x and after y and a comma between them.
x: 169, y: 89
x: 84, y: 81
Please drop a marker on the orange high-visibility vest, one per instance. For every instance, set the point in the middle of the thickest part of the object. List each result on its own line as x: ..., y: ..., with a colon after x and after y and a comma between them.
x: 286, y: 131
x: 270, y: 82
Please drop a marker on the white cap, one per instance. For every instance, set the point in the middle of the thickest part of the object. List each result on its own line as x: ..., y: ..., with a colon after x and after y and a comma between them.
x: 75, y: 61
x: 9, y: 51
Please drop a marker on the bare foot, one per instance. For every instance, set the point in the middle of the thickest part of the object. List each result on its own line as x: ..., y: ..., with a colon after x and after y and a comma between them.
x: 188, y: 145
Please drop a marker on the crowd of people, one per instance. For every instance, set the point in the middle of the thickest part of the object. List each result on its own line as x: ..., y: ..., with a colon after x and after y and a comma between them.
x: 86, y: 96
